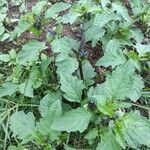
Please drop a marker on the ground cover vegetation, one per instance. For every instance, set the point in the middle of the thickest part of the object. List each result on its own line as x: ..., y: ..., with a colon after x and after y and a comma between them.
x: 74, y: 74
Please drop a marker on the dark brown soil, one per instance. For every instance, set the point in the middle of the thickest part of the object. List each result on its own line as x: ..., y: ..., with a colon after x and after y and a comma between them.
x: 30, y: 4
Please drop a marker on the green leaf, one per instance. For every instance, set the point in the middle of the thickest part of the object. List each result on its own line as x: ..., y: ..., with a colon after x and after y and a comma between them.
x: 68, y: 65
x: 106, y: 106
x: 134, y: 129
x: 88, y: 73
x: 2, y: 30
x: 16, y: 148
x: 108, y: 142
x: 22, y: 124
x: 5, y: 36
x: 36, y: 77
x: 94, y: 33
x: 112, y: 56
x: 30, y: 51
x: 91, y: 135
x: 75, y: 120
x: 38, y: 8
x: 44, y: 66
x: 8, y: 89
x: 137, y: 6
x: 104, y: 3
x: 22, y: 26
x: 50, y: 108
x: 4, y: 57
x: 56, y: 8
x: 137, y: 35
x: 103, y: 18
x: 122, y: 83
x: 72, y: 87
x: 121, y: 10
x: 44, y: 128
x: 70, y: 17
x: 49, y: 103
x: 2, y: 17
x: 63, y: 45
x: 142, y: 49
x: 26, y: 88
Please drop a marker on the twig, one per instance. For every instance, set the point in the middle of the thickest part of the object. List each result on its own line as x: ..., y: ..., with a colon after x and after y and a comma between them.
x: 52, y: 33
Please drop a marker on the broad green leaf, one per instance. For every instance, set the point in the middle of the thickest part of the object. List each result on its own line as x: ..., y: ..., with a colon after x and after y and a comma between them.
x: 8, y: 89
x: 16, y: 148
x: 108, y: 142
x: 22, y: 26
x: 2, y: 17
x: 44, y: 66
x: 38, y: 8
x: 68, y: 65
x: 49, y: 103
x: 91, y: 135
x: 50, y: 108
x: 30, y: 51
x: 75, y: 120
x: 112, y: 56
x: 125, y: 83
x: 94, y: 33
x: 137, y: 6
x: 44, y: 128
x: 137, y: 35
x: 142, y: 49
x: 17, y: 70
x: 61, y: 45
x: 5, y: 36
x: 103, y: 18
x: 122, y: 83
x: 93, y: 9
x: 121, y: 10
x: 72, y: 87
x: 36, y: 77
x: 104, y: 3
x: 129, y: 84
x: 70, y: 17
x: 136, y: 90
x: 13, y: 54
x: 4, y: 57
x: 88, y: 73
x: 22, y: 125
x: 64, y: 46
x: 2, y: 30
x: 108, y: 106
x: 56, y: 8
x: 26, y: 88
x: 134, y: 129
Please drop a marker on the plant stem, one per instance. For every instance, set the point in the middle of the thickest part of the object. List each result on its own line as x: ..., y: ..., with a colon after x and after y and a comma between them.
x: 82, y: 42
x: 79, y: 55
x: 141, y: 106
